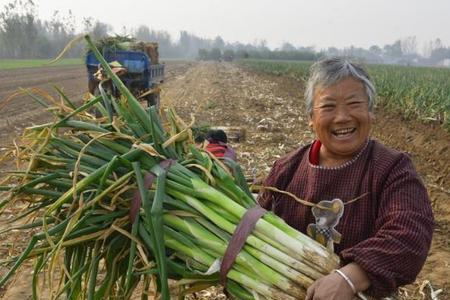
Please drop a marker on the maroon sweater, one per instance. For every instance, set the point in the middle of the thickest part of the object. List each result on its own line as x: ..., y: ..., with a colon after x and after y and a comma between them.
x: 388, y: 233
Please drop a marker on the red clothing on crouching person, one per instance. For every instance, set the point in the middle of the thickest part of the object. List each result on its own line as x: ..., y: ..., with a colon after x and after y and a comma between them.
x: 387, y: 233
x: 220, y: 149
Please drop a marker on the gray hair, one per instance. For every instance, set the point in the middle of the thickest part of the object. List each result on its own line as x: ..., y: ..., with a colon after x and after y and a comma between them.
x: 329, y: 71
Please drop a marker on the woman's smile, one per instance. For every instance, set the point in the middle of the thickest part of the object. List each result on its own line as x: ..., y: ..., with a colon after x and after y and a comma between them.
x: 344, y: 133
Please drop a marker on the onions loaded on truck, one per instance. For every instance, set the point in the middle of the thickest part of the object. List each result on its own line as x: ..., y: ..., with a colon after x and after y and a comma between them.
x: 136, y: 63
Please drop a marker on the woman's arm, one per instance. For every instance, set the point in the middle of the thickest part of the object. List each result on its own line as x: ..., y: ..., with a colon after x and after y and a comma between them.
x: 396, y: 252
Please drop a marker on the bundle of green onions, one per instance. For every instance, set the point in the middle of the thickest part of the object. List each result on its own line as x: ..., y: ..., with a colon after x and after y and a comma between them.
x: 128, y: 203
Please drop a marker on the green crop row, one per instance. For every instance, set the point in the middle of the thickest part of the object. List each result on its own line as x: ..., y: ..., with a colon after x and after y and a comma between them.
x: 32, y: 63
x: 416, y: 92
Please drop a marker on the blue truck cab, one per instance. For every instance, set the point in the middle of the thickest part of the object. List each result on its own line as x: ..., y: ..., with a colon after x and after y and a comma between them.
x: 142, y: 77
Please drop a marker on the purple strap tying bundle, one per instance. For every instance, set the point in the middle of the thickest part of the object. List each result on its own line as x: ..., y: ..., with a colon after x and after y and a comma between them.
x: 237, y: 242
x: 149, y: 178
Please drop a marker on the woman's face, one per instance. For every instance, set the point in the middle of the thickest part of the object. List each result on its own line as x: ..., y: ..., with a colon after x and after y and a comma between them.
x: 341, y: 120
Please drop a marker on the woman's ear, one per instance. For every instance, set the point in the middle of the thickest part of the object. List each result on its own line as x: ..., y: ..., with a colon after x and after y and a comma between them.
x: 372, y: 116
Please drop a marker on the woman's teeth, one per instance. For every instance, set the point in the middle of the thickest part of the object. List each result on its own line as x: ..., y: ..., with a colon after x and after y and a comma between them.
x: 343, y: 131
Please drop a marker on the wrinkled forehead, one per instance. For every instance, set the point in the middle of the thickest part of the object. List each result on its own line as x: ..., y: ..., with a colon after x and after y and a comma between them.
x: 345, y: 87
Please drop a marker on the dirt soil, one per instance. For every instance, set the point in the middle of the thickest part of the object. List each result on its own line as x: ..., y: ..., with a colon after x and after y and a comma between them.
x: 270, y: 110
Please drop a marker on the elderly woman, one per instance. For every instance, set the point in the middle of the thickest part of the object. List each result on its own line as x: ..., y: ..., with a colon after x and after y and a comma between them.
x: 386, y: 234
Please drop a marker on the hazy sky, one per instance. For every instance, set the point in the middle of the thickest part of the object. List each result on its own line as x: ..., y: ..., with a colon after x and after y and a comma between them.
x: 321, y: 23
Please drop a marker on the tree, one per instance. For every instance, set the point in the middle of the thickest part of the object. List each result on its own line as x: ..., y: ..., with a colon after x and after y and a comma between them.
x: 333, y: 51
x: 439, y: 54
x: 218, y: 43
x: 186, y: 45
x: 228, y: 55
x: 18, y: 31
x: 376, y: 50
x: 202, y: 54
x: 241, y: 53
x: 143, y: 33
x: 287, y: 47
x: 100, y: 30
x: 261, y: 45
x: 215, y: 54
x: 393, y: 52
x: 60, y: 30
x: 409, y: 45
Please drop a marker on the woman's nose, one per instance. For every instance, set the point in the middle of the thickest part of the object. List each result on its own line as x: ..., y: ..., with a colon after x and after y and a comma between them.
x: 342, y: 114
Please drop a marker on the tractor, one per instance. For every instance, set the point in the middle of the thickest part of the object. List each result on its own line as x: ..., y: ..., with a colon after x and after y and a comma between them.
x: 137, y: 66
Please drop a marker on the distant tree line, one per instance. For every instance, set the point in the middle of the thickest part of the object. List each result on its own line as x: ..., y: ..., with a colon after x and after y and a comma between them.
x: 264, y: 53
x: 24, y: 35
x: 402, y: 51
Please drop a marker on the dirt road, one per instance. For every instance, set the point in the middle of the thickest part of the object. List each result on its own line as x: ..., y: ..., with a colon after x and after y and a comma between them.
x: 270, y: 109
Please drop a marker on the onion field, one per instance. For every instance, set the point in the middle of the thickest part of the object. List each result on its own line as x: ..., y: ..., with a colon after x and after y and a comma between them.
x: 415, y: 92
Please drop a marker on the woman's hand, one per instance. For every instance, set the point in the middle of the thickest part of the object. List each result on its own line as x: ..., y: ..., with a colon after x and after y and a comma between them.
x: 330, y: 287
x: 335, y: 287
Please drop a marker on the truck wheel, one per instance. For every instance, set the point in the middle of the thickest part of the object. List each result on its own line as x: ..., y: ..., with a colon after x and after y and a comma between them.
x: 93, y: 86
x: 153, y: 100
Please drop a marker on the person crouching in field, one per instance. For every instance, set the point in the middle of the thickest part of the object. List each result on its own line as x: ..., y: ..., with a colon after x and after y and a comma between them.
x: 217, y: 144
x: 385, y: 235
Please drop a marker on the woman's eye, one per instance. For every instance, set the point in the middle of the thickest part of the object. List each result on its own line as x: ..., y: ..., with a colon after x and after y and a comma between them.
x: 327, y: 107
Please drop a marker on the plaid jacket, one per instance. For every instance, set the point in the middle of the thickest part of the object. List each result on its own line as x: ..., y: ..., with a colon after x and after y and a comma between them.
x: 388, y: 232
